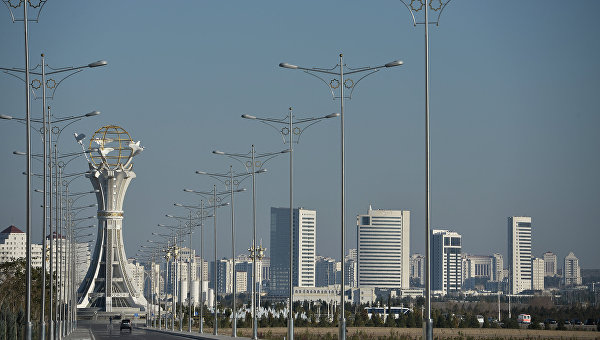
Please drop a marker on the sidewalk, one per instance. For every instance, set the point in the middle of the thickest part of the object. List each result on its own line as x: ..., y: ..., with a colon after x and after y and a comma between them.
x: 80, y: 334
x: 193, y: 335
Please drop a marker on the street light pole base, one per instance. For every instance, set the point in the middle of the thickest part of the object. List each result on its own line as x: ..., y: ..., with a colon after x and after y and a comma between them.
x: 342, y: 335
x: 428, y: 329
x: 29, y: 329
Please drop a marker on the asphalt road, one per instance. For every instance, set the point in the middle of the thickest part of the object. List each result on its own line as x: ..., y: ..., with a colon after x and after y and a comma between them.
x: 99, y: 330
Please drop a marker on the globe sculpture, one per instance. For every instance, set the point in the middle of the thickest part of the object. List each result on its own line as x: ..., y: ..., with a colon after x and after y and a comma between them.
x: 109, y: 284
x: 112, y: 148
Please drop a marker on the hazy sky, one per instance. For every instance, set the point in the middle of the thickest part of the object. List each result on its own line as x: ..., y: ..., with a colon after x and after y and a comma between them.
x: 514, y: 112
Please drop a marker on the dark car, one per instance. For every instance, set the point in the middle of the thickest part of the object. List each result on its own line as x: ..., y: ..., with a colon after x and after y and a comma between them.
x: 125, y: 324
x: 590, y: 322
x: 550, y: 321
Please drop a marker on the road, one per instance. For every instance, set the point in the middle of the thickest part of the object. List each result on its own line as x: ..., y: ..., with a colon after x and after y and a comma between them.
x: 100, y: 330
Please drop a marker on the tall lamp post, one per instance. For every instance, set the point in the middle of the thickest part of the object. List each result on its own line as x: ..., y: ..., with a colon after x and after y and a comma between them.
x: 50, y: 84
x: 339, y: 83
x: 416, y: 8
x: 231, y: 180
x: 216, y: 201
x: 290, y: 129
x: 11, y: 4
x: 201, y: 216
x: 251, y: 161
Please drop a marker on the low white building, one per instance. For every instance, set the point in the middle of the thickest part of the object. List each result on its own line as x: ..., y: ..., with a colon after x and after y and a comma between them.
x: 331, y: 294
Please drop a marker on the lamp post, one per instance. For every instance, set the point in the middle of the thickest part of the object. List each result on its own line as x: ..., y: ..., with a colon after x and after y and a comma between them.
x: 171, y: 252
x: 47, y: 161
x: 10, y: 6
x: 201, y: 216
x: 214, y: 197
x: 288, y: 131
x: 231, y: 180
x: 178, y: 240
x: 215, y: 200
x: 53, y: 85
x: 250, y: 162
x: 155, y: 250
x: 416, y: 7
x: 190, y: 224
x: 339, y: 82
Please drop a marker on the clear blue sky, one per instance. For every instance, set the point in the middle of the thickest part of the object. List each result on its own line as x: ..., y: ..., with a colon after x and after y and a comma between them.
x: 514, y: 111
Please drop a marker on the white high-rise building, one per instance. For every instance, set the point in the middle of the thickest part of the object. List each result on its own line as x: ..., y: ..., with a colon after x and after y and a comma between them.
x: 303, y: 251
x: 13, y: 246
x: 244, y: 265
x: 383, y: 239
x: 498, y: 267
x: 572, y: 271
x: 136, y: 273
x: 417, y: 268
x: 550, y: 264
x: 519, y: 254
x: 537, y: 278
x: 446, y: 261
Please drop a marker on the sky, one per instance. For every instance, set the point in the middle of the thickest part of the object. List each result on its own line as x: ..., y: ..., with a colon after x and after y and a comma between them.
x: 514, y: 113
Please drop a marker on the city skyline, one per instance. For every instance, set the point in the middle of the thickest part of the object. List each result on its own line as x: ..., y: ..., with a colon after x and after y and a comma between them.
x: 512, y: 118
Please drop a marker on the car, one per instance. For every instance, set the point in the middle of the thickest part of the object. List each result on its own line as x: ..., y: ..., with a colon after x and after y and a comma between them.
x: 590, y: 322
x: 550, y: 321
x: 125, y: 324
x: 576, y: 322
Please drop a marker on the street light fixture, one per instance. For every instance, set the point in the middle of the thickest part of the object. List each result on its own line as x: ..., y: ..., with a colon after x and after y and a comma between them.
x: 250, y: 163
x: 231, y: 180
x: 416, y: 7
x: 215, y: 200
x: 47, y: 139
x: 290, y: 133
x: 339, y: 82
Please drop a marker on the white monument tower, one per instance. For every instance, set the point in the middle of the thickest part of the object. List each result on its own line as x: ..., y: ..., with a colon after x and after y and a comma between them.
x: 108, y: 286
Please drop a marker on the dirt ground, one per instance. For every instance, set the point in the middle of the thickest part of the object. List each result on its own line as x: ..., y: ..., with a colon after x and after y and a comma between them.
x: 416, y: 333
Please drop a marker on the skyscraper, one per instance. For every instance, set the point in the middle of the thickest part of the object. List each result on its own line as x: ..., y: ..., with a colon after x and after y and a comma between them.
x: 446, y: 261
x: 325, y: 271
x: 383, y: 238
x: 550, y: 264
x: 519, y: 254
x: 303, y: 250
x: 572, y: 271
x: 537, y: 267
x: 498, y: 265
x: 417, y: 268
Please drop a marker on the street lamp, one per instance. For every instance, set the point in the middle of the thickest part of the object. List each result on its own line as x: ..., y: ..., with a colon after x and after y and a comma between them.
x: 202, y: 217
x: 47, y: 139
x: 199, y: 215
x: 250, y: 163
x: 215, y: 199
x: 416, y: 7
x: 339, y: 82
x: 290, y: 133
x: 231, y: 180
